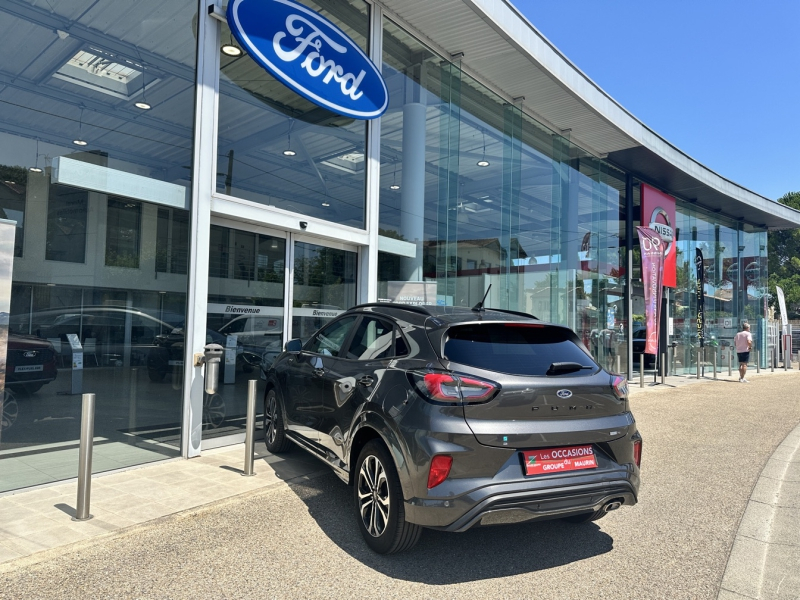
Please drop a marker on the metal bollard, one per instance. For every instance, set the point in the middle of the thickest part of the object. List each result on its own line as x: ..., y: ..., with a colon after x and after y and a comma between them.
x: 772, y: 360
x: 730, y: 361
x: 618, y: 364
x: 249, y: 436
x: 758, y: 361
x: 698, y: 363
x: 785, y: 362
x: 641, y: 370
x: 133, y: 398
x: 714, y: 362
x: 663, y: 366
x: 85, y: 459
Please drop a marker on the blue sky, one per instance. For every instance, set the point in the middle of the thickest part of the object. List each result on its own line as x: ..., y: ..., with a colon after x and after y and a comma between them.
x: 720, y: 80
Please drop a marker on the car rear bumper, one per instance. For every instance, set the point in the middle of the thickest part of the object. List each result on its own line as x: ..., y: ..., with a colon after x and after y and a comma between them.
x: 526, y: 500
x: 526, y: 506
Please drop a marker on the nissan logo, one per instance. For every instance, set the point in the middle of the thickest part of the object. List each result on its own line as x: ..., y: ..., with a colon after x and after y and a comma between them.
x: 30, y: 354
x: 564, y: 394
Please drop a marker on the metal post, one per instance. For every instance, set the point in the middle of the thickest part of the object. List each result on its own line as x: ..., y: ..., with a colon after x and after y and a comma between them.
x: 132, y: 401
x: 618, y: 364
x: 714, y: 362
x: 758, y: 361
x: 698, y: 363
x: 663, y: 366
x: 785, y: 361
x: 641, y: 370
x: 730, y: 360
x: 85, y: 459
x: 772, y: 360
x: 249, y: 436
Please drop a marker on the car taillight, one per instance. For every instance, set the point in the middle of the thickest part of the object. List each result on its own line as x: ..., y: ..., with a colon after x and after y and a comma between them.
x: 620, y: 385
x: 637, y: 452
x: 452, y: 388
x: 440, y: 469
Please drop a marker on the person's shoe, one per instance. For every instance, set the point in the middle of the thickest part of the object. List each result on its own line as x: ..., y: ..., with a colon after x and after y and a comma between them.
x: 744, y: 380
x: 741, y: 380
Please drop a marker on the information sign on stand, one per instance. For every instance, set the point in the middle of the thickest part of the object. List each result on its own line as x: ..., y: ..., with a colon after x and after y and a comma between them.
x: 76, y: 360
x: 231, y: 342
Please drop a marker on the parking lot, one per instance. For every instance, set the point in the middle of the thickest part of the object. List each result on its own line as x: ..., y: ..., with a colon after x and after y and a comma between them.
x: 704, y: 448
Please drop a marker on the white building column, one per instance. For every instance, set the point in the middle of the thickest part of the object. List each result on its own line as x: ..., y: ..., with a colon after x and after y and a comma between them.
x: 412, y: 191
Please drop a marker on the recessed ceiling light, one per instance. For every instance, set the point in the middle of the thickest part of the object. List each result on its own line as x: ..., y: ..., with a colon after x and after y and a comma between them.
x: 142, y: 105
x: 35, y: 170
x: 289, y: 152
x: 488, y: 200
x: 79, y: 142
x: 483, y: 163
x: 394, y: 186
x: 10, y: 182
x: 231, y: 50
x: 325, y: 204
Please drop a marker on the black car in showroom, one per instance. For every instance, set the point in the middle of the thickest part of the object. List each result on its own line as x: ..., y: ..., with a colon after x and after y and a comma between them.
x: 449, y: 417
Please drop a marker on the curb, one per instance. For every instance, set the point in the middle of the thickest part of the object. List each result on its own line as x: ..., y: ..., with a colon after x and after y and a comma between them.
x: 767, y: 544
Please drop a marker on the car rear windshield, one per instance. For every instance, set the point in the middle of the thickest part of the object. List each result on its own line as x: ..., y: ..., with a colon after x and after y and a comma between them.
x: 517, y: 349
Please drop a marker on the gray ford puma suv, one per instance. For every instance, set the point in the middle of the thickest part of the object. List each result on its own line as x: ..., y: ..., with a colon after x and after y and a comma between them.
x: 449, y: 417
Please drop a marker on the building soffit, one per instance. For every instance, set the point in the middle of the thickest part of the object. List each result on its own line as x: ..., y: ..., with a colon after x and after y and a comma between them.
x: 507, y: 53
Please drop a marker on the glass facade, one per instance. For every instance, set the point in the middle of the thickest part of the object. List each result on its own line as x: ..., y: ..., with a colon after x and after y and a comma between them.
x: 98, y: 188
x: 278, y: 149
x: 475, y: 193
x: 97, y: 164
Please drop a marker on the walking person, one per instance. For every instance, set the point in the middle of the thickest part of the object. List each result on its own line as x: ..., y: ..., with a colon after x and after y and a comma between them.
x: 744, y: 343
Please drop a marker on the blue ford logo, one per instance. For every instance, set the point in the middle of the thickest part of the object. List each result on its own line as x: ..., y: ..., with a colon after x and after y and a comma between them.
x: 310, y: 55
x: 564, y: 394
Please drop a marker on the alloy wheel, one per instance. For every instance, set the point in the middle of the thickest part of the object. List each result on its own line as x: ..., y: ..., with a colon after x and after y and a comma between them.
x: 270, y: 418
x: 373, y: 496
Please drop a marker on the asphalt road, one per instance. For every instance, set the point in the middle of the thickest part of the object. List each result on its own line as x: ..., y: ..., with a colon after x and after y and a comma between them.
x: 704, y: 447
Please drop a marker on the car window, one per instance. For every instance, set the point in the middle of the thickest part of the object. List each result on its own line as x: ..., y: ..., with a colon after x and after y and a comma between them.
x: 372, y: 340
x: 515, y: 348
x: 330, y: 339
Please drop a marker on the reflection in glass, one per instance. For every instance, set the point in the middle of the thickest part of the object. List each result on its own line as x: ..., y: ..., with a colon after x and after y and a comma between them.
x: 277, y: 148
x: 245, y: 316
x: 474, y: 192
x: 78, y: 224
x: 324, y: 286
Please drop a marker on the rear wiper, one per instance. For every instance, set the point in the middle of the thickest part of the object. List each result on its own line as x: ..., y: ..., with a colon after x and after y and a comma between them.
x: 559, y: 368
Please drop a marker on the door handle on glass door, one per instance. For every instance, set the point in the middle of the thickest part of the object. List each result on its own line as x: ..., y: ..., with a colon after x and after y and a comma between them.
x: 319, y: 372
x: 366, y: 381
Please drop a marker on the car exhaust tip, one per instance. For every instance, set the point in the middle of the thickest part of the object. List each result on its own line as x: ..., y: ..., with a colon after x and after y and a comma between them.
x: 612, y: 506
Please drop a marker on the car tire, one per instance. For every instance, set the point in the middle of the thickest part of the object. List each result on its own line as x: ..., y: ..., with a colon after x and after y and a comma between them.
x: 156, y: 376
x: 376, y: 487
x: 274, y: 433
x: 586, y: 517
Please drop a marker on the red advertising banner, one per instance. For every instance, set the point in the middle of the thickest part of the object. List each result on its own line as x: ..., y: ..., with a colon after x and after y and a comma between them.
x: 658, y: 213
x: 554, y: 460
x: 652, y: 247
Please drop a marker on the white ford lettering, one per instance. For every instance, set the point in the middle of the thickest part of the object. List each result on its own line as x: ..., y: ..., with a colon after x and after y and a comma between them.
x: 315, y: 63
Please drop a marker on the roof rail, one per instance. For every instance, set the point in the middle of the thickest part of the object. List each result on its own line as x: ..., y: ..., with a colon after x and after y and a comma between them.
x: 408, y: 307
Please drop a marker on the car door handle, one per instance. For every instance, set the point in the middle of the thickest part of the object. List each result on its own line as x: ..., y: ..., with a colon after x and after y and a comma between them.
x: 366, y: 381
x: 319, y: 372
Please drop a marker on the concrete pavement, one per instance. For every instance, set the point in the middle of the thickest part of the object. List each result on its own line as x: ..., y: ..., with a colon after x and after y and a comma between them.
x: 712, y: 451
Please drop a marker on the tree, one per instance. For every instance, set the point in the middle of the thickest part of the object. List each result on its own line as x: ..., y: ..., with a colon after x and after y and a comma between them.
x: 784, y: 261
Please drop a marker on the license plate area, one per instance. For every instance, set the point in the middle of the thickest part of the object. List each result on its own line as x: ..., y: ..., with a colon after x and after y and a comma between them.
x: 558, y: 460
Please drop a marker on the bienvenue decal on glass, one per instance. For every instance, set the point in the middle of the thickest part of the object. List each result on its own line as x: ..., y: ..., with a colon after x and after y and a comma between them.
x: 310, y: 55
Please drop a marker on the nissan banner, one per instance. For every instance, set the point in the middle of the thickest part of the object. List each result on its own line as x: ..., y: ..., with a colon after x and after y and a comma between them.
x: 701, y: 297
x: 652, y: 249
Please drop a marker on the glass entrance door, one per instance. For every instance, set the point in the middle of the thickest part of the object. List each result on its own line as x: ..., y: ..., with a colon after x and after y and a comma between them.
x: 246, y: 289
x: 324, y: 285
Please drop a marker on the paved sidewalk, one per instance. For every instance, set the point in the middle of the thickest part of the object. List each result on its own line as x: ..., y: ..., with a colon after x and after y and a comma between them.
x: 40, y: 519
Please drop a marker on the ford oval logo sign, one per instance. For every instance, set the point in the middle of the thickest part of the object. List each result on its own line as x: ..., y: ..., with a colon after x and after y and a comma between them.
x: 310, y: 55
x: 564, y: 394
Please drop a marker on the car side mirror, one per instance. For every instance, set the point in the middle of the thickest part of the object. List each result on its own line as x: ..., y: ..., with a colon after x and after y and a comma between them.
x: 294, y: 345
